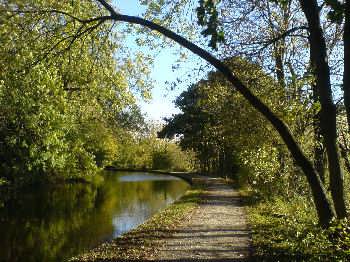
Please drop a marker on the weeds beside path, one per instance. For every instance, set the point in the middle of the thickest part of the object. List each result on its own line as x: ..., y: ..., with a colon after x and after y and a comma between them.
x: 214, y: 229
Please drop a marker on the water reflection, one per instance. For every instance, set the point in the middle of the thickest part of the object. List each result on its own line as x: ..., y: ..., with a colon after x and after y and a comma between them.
x: 52, y: 224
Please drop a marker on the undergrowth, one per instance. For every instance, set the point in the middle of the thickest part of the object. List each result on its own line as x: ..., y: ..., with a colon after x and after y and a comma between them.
x: 288, y: 231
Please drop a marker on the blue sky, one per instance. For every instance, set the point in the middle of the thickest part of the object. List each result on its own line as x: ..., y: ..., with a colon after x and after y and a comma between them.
x: 161, y: 104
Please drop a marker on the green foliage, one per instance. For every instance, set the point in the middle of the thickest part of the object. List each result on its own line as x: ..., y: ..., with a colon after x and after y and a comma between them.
x: 161, y: 160
x: 212, y: 120
x: 283, y: 3
x: 288, y: 231
x: 207, y: 15
x: 100, y: 141
x: 64, y: 98
x: 171, y: 157
x: 148, y: 152
x: 224, y: 131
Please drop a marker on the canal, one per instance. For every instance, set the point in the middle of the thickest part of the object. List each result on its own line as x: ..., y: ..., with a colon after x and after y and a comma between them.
x: 53, y: 223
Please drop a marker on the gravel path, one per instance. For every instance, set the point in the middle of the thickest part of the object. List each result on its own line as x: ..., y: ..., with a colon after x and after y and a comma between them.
x: 216, y: 231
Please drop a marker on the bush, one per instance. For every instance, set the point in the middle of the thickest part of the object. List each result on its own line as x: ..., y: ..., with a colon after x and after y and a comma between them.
x: 289, y: 231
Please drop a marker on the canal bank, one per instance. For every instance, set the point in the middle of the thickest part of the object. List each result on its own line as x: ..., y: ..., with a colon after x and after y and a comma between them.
x: 186, y: 176
x: 207, y: 223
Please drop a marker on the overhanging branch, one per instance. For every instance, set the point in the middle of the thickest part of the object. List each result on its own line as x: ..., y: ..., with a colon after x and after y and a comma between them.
x: 324, y: 209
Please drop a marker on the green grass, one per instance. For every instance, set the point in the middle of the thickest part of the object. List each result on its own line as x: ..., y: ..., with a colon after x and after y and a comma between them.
x: 138, y: 243
x: 288, y: 231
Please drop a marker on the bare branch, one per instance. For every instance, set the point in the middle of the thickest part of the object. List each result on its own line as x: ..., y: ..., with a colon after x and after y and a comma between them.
x: 285, y: 34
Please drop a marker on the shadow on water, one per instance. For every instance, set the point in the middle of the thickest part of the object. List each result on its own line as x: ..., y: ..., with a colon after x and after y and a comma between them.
x: 47, y: 223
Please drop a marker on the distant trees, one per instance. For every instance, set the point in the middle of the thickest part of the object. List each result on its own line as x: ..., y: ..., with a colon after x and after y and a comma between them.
x: 144, y: 151
x: 228, y: 134
x: 214, y: 117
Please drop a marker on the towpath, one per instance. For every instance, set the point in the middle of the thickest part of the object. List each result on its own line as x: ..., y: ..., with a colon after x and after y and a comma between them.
x: 216, y: 231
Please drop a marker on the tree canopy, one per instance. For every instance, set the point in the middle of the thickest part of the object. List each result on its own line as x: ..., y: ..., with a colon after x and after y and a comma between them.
x: 68, y: 25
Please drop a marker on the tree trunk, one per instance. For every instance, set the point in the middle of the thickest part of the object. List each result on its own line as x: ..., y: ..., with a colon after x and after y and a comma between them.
x: 344, y: 150
x: 346, y: 74
x: 318, y: 146
x: 319, y: 151
x: 278, y: 56
x: 318, y: 51
x: 344, y: 154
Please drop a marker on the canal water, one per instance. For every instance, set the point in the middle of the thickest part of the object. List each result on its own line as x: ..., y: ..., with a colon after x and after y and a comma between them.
x: 49, y: 223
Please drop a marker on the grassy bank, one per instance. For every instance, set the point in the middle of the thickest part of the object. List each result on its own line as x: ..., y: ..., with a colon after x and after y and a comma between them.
x: 288, y: 231
x: 139, y: 243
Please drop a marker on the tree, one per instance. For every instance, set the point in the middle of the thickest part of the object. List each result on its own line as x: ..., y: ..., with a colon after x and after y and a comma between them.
x: 58, y: 109
x: 323, y: 206
x: 216, y: 122
x: 224, y: 130
x: 318, y: 54
x: 321, y: 72
x: 346, y: 76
